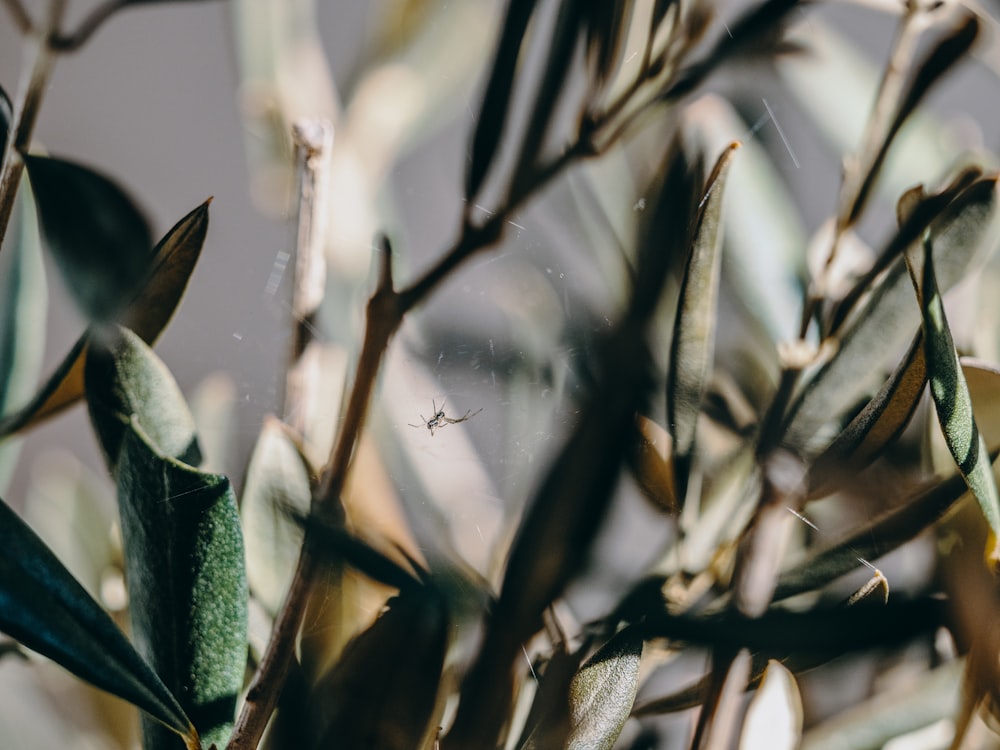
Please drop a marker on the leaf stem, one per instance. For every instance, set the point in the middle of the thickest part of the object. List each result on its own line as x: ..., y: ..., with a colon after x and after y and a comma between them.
x: 39, y: 60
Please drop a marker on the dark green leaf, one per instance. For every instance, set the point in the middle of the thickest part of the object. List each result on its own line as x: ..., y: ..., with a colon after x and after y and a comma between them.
x: 603, y: 692
x: 879, y: 328
x: 693, y: 345
x: 951, y: 397
x: 99, y: 239
x: 938, y: 61
x: 6, y: 118
x: 494, y: 112
x: 23, y: 307
x: 183, y: 544
x: 148, y: 314
x: 382, y: 693
x: 47, y: 610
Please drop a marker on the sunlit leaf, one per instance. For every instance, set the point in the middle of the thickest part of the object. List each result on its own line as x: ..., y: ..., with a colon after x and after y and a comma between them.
x: 774, y: 718
x: 494, y: 112
x: 951, y: 397
x: 877, y: 425
x: 603, y: 692
x: 277, y: 480
x: 148, y: 314
x: 98, y: 237
x: 652, y: 466
x: 693, y: 342
x: 183, y: 544
x: 46, y: 609
x: 23, y: 307
x: 880, y: 327
x: 383, y: 691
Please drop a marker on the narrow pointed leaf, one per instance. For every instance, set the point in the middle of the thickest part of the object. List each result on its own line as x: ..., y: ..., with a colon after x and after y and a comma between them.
x: 952, y: 402
x: 382, y: 693
x: 693, y: 343
x: 47, y: 610
x: 774, y: 718
x: 493, y: 114
x: 938, y: 61
x: 877, y: 425
x: 548, y: 722
x: 882, y: 325
x: 6, y: 117
x: 606, y: 23
x: 98, y: 237
x: 652, y: 465
x: 875, y: 538
x: 23, y: 307
x: 277, y: 481
x: 603, y: 692
x: 148, y: 314
x: 181, y: 534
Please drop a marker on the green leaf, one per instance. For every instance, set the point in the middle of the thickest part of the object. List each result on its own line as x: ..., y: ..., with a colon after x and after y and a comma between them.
x: 148, y: 314
x: 875, y: 538
x: 603, y: 692
x: 493, y: 114
x: 24, y: 297
x: 98, y: 237
x: 277, y: 480
x: 383, y: 691
x: 880, y: 327
x: 46, y: 609
x: 182, y: 540
x: 876, y: 426
x: 6, y: 117
x: 951, y: 397
x: 693, y: 344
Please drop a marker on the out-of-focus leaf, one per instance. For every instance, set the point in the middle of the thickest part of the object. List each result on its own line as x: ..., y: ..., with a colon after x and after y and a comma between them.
x: 565, y: 36
x: 548, y: 722
x: 924, y: 699
x: 693, y: 342
x: 878, y: 329
x: 779, y: 633
x: 23, y: 306
x: 877, y: 425
x: 774, y: 718
x: 494, y: 112
x: 47, y: 610
x: 938, y: 61
x: 652, y: 466
x: 566, y: 511
x: 383, y: 691
x: 873, y: 539
x: 603, y: 692
x: 98, y: 237
x: 277, y: 480
x: 951, y: 397
x: 6, y: 117
x: 759, y: 29
x: 183, y: 544
x: 149, y: 312
x: 606, y: 26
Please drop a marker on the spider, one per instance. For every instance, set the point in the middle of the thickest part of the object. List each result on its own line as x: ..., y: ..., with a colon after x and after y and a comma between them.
x: 439, y: 420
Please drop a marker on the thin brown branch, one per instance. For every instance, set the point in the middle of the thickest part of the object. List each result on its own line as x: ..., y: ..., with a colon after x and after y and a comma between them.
x: 20, y: 15
x: 76, y: 39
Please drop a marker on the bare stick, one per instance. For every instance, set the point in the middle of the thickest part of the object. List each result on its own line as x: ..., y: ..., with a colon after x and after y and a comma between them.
x: 313, y: 143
